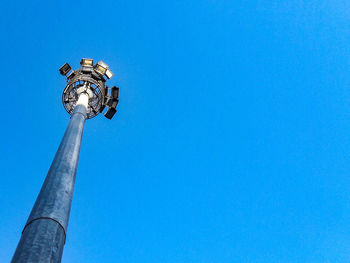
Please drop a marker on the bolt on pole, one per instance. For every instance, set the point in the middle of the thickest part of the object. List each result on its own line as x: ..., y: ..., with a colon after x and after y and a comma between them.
x: 84, y: 97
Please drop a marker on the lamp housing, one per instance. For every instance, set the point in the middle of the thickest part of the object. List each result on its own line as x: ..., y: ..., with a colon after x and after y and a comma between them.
x: 109, y: 73
x: 115, y: 92
x: 87, y: 62
x: 101, y: 68
x: 65, y: 69
x: 110, y: 113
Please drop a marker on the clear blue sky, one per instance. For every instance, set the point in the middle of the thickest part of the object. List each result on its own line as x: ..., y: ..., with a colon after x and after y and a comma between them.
x: 232, y: 139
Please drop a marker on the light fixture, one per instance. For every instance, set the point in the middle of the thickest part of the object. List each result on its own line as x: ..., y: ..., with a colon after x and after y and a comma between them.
x: 115, y: 92
x: 87, y: 62
x: 65, y: 69
x: 109, y: 74
x: 110, y: 113
x: 101, y: 68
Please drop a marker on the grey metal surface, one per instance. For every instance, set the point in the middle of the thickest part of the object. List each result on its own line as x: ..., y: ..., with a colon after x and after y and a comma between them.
x: 42, y: 241
x: 44, y: 234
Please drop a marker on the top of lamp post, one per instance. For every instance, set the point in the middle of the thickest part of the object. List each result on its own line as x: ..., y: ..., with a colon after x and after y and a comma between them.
x: 90, y: 78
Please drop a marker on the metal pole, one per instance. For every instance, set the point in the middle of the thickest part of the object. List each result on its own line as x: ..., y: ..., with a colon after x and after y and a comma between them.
x: 44, y: 234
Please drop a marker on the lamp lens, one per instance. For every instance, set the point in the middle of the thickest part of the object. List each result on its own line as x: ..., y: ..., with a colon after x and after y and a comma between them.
x: 109, y: 74
x: 100, y: 69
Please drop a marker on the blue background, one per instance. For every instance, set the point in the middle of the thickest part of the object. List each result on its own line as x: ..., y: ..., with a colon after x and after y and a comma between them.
x: 231, y: 143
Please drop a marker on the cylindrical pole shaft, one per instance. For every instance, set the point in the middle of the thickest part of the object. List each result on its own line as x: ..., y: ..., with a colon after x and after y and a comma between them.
x: 44, y: 234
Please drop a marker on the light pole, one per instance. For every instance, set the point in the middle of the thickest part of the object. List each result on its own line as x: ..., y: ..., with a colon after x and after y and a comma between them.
x: 84, y: 97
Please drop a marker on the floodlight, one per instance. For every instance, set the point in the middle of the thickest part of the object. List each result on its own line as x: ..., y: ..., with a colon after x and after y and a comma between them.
x: 108, y: 74
x: 115, y: 92
x: 110, y: 113
x: 101, y: 68
x: 87, y: 62
x: 65, y: 69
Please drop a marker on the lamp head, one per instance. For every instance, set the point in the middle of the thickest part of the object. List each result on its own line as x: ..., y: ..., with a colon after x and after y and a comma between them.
x: 65, y: 69
x: 87, y: 62
x: 90, y: 78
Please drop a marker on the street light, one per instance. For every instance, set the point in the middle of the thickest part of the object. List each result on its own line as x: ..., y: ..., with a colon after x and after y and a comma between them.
x: 84, y: 97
